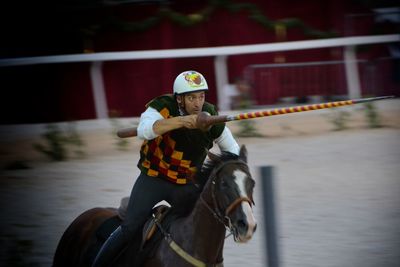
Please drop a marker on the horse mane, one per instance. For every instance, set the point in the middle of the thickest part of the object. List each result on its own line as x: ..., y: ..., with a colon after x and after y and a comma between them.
x: 202, y: 176
x: 200, y: 179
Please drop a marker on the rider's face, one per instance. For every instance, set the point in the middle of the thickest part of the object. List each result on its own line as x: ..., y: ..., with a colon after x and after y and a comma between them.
x: 193, y: 102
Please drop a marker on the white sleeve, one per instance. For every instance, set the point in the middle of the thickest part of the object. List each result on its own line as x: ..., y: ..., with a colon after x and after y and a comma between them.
x: 147, y: 120
x: 226, y: 142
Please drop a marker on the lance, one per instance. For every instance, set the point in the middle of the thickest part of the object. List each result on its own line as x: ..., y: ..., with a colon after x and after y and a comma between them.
x: 204, y: 121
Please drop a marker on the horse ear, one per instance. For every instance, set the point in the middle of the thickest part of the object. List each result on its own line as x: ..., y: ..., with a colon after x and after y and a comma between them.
x: 243, y: 153
x: 213, y: 157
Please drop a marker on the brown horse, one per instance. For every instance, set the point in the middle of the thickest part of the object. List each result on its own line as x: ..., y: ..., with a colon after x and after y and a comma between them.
x: 197, y: 239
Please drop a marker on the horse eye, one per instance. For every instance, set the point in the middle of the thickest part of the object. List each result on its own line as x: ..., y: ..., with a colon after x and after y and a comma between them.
x: 252, y: 184
x: 224, y: 183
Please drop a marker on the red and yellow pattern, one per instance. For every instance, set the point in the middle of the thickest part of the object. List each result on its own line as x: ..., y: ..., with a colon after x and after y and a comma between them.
x: 281, y: 111
x: 176, y: 155
x: 161, y: 159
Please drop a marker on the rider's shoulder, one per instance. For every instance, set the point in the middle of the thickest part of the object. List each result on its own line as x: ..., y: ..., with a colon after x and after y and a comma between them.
x: 210, y: 108
x: 161, y: 101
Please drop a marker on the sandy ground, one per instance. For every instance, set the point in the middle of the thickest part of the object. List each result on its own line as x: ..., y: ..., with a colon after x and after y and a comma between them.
x: 337, y: 192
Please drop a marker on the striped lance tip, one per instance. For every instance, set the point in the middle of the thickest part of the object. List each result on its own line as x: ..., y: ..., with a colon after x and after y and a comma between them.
x: 287, y: 110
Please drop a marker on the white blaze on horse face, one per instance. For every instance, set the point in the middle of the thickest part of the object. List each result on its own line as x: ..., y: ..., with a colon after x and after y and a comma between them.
x: 240, y: 180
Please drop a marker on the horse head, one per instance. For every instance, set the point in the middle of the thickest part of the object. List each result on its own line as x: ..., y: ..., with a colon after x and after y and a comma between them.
x: 230, y: 188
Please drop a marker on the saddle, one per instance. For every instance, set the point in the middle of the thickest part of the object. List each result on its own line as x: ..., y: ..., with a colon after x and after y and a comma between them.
x: 150, y: 227
x: 145, y: 243
x: 158, y: 213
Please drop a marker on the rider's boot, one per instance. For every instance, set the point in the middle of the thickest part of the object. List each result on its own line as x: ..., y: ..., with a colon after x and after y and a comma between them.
x: 110, y: 249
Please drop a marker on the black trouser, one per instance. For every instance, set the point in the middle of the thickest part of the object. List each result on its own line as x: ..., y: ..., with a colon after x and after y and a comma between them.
x: 146, y: 192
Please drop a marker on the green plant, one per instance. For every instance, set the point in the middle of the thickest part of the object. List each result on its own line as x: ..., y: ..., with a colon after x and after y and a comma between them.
x: 339, y: 119
x: 55, y: 148
x: 247, y: 129
x: 202, y: 15
x: 74, y: 140
x: 58, y: 143
x: 121, y: 143
x: 372, y: 115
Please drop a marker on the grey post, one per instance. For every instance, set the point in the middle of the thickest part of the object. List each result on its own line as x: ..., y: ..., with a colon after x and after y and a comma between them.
x: 269, y: 215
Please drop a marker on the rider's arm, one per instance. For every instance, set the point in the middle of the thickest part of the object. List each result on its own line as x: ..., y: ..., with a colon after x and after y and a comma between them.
x: 147, y: 119
x: 226, y: 142
x: 153, y: 124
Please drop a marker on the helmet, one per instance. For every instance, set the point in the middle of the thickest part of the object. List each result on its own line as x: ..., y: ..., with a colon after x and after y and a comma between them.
x: 189, y: 81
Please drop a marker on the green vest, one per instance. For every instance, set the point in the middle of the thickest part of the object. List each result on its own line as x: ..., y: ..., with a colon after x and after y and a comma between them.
x: 176, y: 155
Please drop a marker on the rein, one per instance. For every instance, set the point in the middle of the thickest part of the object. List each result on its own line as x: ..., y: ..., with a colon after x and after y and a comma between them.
x: 181, y: 252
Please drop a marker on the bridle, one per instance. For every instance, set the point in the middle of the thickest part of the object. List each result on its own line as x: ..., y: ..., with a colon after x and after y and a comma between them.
x: 223, y: 217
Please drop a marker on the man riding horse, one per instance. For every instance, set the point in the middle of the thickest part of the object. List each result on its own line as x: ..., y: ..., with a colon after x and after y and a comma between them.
x: 172, y: 152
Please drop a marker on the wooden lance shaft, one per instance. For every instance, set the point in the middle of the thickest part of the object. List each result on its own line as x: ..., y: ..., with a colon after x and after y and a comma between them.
x: 204, y: 121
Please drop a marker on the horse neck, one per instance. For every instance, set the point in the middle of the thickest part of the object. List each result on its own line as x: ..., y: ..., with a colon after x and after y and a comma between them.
x: 207, y: 234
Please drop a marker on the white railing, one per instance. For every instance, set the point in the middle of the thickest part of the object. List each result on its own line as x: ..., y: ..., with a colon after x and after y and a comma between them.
x: 220, y: 54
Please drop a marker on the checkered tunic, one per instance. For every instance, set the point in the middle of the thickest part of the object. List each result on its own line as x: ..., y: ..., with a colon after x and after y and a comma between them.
x: 176, y: 155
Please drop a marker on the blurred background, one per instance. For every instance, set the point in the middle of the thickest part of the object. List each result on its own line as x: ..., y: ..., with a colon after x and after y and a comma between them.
x: 46, y: 28
x: 73, y: 72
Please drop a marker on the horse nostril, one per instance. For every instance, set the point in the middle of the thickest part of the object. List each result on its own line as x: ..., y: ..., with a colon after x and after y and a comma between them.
x: 241, y: 224
x: 255, y: 228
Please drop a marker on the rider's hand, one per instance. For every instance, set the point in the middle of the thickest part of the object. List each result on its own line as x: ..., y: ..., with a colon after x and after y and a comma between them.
x: 189, y: 121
